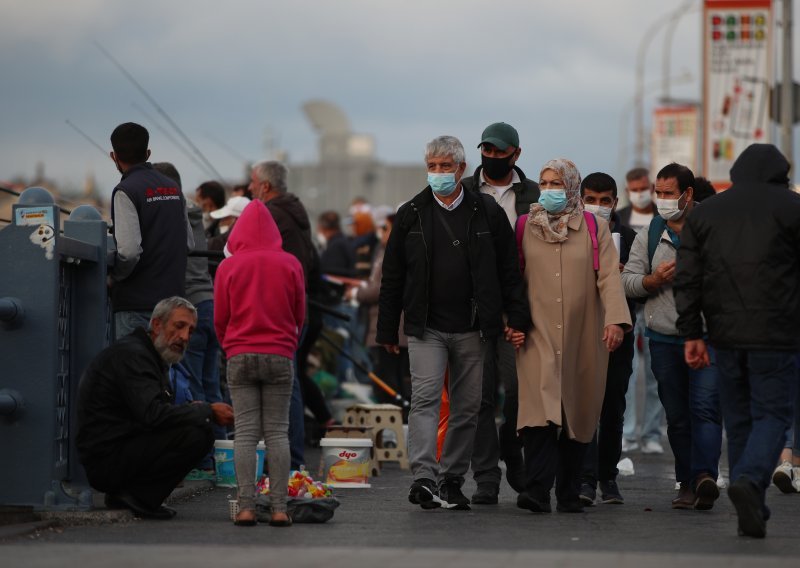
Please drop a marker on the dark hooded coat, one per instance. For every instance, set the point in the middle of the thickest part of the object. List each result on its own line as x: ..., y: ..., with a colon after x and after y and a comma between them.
x: 739, y: 259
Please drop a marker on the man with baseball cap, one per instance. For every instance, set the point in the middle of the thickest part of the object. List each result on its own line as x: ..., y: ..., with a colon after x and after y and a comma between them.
x: 499, y: 176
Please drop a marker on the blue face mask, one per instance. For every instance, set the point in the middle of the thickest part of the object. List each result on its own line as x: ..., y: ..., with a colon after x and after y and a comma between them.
x: 553, y: 200
x: 442, y: 184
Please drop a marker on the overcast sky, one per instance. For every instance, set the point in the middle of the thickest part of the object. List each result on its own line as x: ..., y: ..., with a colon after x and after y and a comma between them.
x: 234, y: 74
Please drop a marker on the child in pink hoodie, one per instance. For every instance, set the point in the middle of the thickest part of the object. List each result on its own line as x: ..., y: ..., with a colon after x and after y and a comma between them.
x: 259, y: 307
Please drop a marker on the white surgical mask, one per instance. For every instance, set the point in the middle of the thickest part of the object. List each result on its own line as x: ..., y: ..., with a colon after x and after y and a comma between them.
x: 640, y: 199
x: 670, y: 209
x: 599, y: 210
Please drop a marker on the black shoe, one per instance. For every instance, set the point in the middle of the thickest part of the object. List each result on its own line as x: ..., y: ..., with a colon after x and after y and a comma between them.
x: 451, y: 496
x: 570, y: 506
x: 609, y: 493
x: 515, y: 473
x: 161, y: 513
x: 423, y: 493
x: 706, y: 492
x: 749, y: 509
x: 588, y: 494
x: 526, y: 501
x: 113, y: 502
x: 486, y: 494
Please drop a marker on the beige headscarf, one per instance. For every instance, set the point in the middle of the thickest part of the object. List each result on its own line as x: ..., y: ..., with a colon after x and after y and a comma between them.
x: 552, y: 227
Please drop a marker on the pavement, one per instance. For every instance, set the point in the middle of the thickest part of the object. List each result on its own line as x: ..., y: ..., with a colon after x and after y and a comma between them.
x: 379, y: 527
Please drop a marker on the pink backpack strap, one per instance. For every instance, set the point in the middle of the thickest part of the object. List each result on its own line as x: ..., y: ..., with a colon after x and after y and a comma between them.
x: 591, y: 223
x: 519, y: 230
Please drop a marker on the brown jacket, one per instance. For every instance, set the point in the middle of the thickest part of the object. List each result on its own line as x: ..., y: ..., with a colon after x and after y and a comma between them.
x: 562, y: 365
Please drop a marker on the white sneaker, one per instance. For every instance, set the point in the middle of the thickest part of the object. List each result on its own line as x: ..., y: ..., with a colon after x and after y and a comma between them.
x: 652, y: 447
x: 629, y: 445
x: 796, y: 478
x: 782, y: 477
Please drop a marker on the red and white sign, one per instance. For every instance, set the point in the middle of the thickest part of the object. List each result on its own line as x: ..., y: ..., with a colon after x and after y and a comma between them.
x: 737, y: 76
x: 674, y: 137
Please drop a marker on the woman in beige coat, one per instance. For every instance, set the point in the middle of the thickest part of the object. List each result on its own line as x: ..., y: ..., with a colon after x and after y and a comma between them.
x: 579, y: 316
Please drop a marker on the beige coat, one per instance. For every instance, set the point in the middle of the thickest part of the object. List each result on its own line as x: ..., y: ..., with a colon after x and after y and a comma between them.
x: 562, y: 365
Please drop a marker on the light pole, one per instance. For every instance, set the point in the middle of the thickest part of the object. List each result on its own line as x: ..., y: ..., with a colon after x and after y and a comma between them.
x: 640, y: 65
x: 787, y: 88
x: 674, y: 18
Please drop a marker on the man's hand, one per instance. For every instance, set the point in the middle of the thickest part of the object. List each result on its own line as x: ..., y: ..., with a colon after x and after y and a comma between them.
x: 663, y: 274
x: 222, y: 413
x: 394, y: 349
x: 696, y: 354
x: 612, y: 336
x: 514, y: 337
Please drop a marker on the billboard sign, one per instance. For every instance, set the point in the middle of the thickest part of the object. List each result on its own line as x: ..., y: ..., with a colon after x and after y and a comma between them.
x: 737, y: 77
x: 674, y: 136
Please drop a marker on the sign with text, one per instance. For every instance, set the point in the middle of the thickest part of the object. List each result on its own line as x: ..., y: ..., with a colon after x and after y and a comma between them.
x: 674, y: 137
x: 737, y: 76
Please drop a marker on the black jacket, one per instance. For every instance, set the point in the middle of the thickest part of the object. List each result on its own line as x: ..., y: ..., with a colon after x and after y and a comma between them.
x: 739, y: 259
x: 496, y: 281
x: 292, y: 220
x: 526, y: 190
x: 125, y: 392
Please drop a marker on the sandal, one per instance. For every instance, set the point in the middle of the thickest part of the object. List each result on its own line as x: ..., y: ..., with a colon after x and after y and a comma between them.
x: 245, y: 518
x: 287, y: 522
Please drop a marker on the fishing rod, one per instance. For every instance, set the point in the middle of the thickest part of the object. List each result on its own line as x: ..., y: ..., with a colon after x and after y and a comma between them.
x: 398, y: 398
x: 174, y: 140
x: 12, y: 192
x: 158, y: 108
x: 82, y: 133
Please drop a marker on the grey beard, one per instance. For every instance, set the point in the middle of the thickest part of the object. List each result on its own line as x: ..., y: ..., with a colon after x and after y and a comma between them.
x: 167, y: 354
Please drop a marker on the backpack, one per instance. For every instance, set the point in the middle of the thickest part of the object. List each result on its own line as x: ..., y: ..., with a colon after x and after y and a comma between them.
x: 591, y: 223
x: 654, y: 232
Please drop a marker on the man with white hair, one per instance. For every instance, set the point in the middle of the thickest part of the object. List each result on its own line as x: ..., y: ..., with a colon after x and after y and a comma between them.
x: 134, y: 443
x: 451, y: 268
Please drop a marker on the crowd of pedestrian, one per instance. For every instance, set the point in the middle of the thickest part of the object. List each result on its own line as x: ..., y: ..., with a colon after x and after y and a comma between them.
x: 481, y: 285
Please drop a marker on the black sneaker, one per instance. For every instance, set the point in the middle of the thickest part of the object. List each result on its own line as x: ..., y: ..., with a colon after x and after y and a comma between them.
x: 527, y: 501
x: 609, y: 493
x: 451, y: 496
x: 486, y: 494
x: 575, y: 506
x: 423, y: 493
x: 749, y: 508
x: 515, y: 473
x: 588, y: 494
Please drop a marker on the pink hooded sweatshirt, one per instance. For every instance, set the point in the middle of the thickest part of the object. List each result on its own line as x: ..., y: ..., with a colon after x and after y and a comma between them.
x: 259, y: 291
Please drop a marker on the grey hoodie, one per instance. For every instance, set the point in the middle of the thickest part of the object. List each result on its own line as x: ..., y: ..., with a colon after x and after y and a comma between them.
x: 198, y: 282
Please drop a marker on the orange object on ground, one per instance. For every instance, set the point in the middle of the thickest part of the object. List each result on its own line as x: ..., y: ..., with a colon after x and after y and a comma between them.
x: 444, y: 415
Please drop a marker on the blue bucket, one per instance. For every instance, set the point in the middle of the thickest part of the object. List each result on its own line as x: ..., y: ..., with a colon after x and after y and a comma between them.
x: 223, y: 462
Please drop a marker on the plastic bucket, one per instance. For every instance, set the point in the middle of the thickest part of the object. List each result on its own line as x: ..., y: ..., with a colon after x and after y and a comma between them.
x: 346, y: 461
x: 223, y: 462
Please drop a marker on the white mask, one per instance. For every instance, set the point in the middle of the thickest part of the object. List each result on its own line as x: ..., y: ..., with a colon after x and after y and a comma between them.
x: 640, y: 199
x: 224, y: 229
x: 670, y: 209
x: 599, y: 211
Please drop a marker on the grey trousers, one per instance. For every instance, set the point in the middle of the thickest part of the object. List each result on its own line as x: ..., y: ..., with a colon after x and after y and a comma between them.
x: 499, y: 368
x: 429, y: 357
x: 261, y: 387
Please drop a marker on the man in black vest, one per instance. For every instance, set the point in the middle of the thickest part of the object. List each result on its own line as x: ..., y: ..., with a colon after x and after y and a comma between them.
x: 151, y: 232
x: 499, y: 177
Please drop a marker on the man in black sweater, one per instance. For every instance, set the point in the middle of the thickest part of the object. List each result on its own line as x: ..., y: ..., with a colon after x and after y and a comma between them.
x: 134, y: 443
x: 451, y: 267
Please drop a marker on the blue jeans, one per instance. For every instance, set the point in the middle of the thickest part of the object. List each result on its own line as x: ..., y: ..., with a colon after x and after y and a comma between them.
x: 126, y: 322
x: 758, y: 390
x: 793, y: 433
x: 202, y: 359
x: 692, y: 403
x: 653, y: 412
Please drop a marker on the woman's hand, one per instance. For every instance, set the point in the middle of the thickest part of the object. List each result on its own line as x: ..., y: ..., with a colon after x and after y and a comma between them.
x: 514, y: 337
x: 612, y: 336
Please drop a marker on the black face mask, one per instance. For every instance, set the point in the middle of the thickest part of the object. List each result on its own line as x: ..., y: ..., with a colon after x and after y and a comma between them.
x: 496, y: 168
